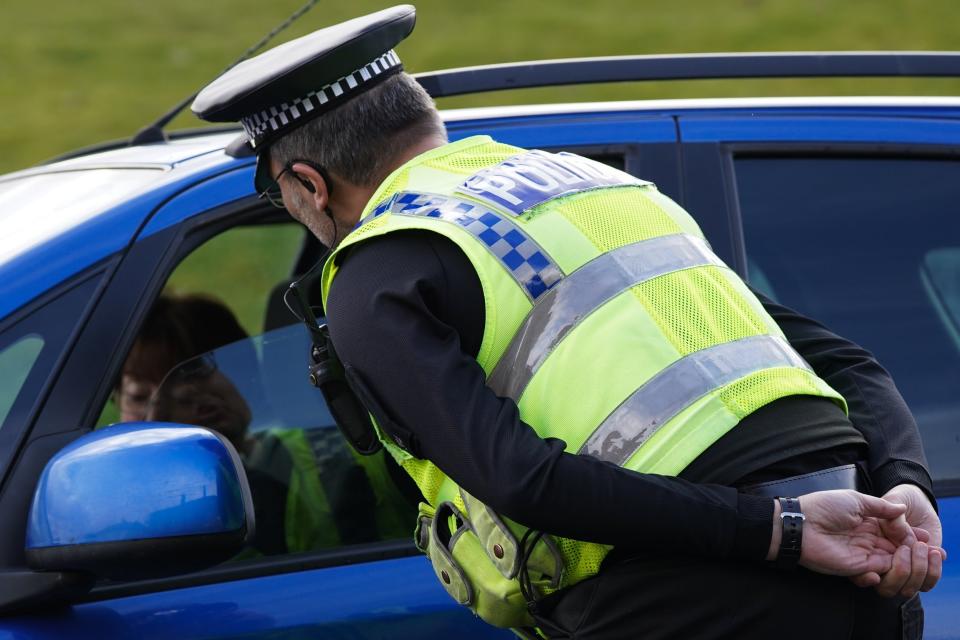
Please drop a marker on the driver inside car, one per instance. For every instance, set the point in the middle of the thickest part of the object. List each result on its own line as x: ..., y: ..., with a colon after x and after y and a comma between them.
x: 310, y: 490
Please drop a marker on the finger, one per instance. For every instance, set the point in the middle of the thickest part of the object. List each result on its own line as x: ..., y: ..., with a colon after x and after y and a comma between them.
x: 865, y: 580
x: 880, y: 508
x: 918, y: 570
x: 888, y: 547
x: 934, y: 570
x: 898, y: 531
x: 922, y: 534
x: 893, y: 581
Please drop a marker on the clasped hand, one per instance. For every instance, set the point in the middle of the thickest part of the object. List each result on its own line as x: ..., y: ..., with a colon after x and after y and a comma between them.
x: 891, y: 544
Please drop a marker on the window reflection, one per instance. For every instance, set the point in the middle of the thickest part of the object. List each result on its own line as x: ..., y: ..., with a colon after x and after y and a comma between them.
x: 871, y: 248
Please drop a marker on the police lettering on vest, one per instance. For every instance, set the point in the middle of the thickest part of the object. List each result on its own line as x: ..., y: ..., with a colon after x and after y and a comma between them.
x: 525, y: 181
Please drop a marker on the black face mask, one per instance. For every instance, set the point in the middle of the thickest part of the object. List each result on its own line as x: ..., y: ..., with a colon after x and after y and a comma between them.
x: 325, y: 370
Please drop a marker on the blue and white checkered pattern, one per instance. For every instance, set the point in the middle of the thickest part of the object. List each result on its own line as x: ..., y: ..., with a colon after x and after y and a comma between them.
x: 527, y: 262
x: 267, y: 122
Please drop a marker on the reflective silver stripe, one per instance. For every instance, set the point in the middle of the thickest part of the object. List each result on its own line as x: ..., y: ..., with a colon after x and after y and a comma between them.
x: 575, y: 297
x: 679, y: 386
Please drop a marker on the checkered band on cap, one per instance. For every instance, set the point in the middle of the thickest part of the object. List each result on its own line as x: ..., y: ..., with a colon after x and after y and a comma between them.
x: 529, y: 264
x: 265, y: 124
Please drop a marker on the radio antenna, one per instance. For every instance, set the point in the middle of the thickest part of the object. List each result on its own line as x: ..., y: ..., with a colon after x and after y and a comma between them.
x: 154, y: 132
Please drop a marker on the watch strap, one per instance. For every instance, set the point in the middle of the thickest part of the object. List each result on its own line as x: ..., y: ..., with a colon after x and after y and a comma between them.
x: 791, y: 539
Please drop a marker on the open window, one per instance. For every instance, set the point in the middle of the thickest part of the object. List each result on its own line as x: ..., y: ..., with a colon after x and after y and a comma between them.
x: 218, y: 349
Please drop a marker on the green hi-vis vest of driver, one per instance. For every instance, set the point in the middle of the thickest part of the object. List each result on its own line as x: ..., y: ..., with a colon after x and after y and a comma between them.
x: 334, y: 496
x: 609, y: 321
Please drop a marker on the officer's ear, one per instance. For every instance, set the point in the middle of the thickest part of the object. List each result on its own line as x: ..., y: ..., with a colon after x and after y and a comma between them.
x: 316, y: 183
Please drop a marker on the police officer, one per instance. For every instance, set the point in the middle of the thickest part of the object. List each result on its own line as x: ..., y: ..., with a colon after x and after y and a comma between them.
x: 598, y: 412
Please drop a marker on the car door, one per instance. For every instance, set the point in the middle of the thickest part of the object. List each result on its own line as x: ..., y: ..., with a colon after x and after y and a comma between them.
x: 383, y: 589
x: 850, y: 217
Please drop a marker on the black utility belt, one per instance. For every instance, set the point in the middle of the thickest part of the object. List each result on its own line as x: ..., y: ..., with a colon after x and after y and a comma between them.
x: 845, y: 477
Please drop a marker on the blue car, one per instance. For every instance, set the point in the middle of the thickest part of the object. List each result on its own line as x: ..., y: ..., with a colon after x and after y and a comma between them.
x: 845, y: 209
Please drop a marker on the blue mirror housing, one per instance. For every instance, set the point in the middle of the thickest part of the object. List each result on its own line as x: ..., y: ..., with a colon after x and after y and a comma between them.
x: 140, y: 500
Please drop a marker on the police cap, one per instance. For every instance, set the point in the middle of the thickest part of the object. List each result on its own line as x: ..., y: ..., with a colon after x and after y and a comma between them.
x: 289, y: 85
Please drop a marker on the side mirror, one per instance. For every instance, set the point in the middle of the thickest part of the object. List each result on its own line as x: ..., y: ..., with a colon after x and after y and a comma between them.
x: 140, y: 500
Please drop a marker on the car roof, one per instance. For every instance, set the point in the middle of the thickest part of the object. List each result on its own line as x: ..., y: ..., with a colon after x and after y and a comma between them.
x: 60, y: 218
x: 84, y: 237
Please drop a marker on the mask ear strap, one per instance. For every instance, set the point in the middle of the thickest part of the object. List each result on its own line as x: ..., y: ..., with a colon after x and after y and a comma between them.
x: 301, y: 304
x: 329, y: 213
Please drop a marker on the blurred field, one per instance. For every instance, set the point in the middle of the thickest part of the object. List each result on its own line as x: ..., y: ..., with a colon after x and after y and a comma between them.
x: 77, y: 73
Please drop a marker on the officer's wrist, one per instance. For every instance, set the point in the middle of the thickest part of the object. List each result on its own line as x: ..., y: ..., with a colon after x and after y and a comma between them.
x: 776, y: 533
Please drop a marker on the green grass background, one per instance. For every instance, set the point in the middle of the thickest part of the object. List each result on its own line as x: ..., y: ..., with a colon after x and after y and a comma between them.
x: 74, y: 73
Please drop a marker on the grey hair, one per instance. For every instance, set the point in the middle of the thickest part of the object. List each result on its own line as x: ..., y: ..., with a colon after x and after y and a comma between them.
x: 359, y: 140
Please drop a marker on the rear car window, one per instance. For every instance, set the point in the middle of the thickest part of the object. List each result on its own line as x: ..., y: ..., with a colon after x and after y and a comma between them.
x: 30, y: 347
x: 871, y: 248
x: 16, y: 361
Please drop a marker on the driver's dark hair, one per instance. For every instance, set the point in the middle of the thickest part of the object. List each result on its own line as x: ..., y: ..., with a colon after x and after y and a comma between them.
x: 358, y: 140
x: 188, y: 325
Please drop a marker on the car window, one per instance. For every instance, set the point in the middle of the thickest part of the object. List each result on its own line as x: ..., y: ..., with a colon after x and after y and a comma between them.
x: 939, y: 273
x: 30, y: 346
x: 311, y: 490
x: 219, y: 349
x: 871, y: 248
x: 16, y: 361
x: 245, y: 268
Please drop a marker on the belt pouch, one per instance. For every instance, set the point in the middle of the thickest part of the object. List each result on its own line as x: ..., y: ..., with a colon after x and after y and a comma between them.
x: 464, y: 569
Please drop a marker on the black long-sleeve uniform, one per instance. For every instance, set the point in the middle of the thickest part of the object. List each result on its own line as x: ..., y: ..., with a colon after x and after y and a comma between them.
x: 406, y: 313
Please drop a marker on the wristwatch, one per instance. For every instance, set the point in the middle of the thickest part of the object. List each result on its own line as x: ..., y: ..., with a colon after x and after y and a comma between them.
x: 791, y: 520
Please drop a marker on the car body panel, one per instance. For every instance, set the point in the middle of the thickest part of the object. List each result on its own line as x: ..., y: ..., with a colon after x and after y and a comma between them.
x: 941, y: 604
x: 566, y: 130
x: 814, y: 128
x: 170, y: 154
x: 355, y: 601
x: 24, y: 276
x: 224, y: 188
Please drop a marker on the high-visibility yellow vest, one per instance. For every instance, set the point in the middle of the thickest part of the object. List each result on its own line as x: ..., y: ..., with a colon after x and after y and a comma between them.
x: 609, y: 321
